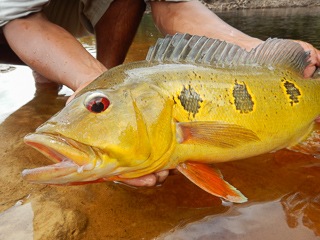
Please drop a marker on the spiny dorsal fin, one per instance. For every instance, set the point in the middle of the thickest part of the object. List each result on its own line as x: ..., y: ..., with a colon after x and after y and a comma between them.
x: 185, y: 48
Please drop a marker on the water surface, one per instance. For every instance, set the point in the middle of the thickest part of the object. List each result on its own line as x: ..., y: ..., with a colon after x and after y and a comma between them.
x: 283, y: 188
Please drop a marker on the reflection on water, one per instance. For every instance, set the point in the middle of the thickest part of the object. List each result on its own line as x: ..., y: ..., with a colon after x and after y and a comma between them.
x: 17, y: 222
x: 292, y: 23
x: 242, y: 223
x: 283, y: 187
x: 10, y: 101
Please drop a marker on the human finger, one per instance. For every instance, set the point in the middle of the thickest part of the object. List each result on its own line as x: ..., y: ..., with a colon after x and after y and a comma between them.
x: 314, y: 58
x: 161, y: 176
x: 143, y: 181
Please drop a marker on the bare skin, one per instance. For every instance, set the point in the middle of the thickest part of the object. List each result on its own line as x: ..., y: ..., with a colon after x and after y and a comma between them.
x: 314, y: 59
x: 171, y: 17
x: 57, y: 55
x: 195, y: 18
x: 49, y: 52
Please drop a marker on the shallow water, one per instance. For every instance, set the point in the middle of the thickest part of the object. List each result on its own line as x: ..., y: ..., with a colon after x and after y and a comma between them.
x: 283, y: 188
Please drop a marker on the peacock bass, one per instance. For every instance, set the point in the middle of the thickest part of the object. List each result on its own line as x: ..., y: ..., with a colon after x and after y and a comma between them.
x: 193, y: 102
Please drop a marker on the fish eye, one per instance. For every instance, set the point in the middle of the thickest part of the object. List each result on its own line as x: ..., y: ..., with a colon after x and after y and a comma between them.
x: 98, y: 104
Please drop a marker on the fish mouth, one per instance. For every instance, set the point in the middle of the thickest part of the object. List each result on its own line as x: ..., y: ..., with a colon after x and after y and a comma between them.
x: 74, y: 161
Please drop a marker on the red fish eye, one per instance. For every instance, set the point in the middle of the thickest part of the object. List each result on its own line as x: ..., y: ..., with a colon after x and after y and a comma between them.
x: 98, y: 104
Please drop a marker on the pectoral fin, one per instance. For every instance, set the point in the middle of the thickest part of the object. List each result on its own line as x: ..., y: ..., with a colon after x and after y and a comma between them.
x: 210, y: 180
x: 218, y: 134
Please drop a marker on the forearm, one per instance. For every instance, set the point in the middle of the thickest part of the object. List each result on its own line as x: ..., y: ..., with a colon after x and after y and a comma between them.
x: 194, y: 18
x: 51, y: 51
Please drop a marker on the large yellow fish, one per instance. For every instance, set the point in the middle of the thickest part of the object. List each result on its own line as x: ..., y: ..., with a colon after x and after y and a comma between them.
x: 194, y: 101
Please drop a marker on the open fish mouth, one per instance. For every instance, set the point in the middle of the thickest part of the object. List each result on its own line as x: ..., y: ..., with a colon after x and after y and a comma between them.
x: 74, y: 160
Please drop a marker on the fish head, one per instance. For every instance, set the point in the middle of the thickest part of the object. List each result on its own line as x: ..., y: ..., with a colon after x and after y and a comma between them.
x: 103, y: 135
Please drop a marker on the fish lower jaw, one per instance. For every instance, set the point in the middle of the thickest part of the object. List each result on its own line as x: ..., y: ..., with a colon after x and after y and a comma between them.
x: 51, y: 173
x: 66, y: 172
x: 58, y: 157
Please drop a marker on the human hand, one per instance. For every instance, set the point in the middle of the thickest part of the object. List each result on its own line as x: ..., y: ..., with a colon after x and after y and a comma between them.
x: 151, y: 179
x: 148, y: 180
x: 314, y: 58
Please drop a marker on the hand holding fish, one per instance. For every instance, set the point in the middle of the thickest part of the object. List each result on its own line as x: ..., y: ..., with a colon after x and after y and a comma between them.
x: 159, y: 177
x: 193, y: 102
x: 148, y: 180
x: 314, y: 60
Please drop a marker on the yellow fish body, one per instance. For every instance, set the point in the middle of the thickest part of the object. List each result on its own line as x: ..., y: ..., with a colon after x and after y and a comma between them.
x: 194, y: 101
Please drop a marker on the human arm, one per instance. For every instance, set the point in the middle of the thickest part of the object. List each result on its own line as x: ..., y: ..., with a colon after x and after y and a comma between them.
x: 51, y: 51
x: 194, y: 18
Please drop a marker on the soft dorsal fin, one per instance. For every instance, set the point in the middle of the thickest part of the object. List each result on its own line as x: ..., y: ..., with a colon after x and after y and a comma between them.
x: 185, y: 48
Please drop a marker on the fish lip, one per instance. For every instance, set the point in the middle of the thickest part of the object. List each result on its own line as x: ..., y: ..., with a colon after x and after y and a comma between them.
x: 52, y: 154
x: 48, y: 144
x: 67, y: 162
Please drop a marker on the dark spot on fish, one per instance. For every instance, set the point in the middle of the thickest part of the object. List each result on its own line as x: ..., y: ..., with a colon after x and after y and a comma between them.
x: 292, y: 91
x: 190, y: 100
x: 194, y: 73
x: 242, y: 99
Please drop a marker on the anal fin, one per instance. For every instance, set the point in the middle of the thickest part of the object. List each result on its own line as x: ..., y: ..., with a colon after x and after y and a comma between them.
x: 210, y: 180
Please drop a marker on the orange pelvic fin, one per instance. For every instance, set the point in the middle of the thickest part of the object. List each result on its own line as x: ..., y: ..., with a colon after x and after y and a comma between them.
x: 310, y: 145
x: 218, y: 134
x: 211, y: 180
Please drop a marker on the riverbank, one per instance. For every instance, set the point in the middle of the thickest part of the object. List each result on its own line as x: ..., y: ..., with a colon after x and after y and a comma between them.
x: 226, y: 5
